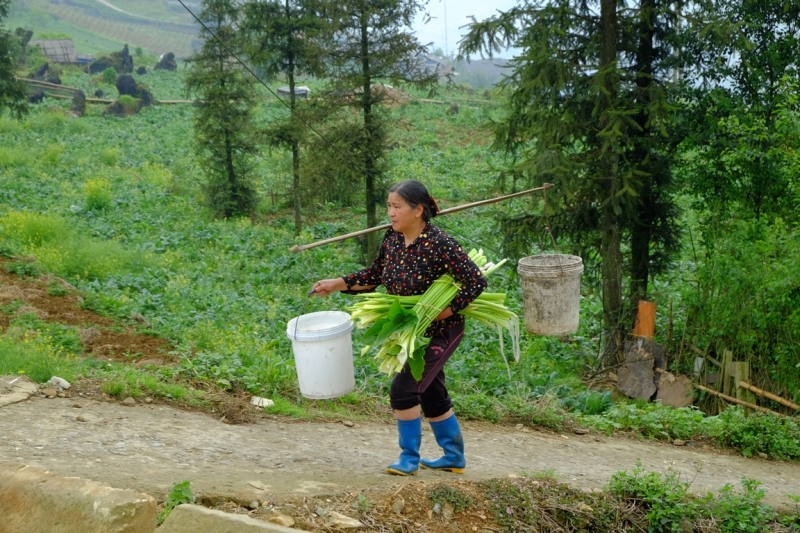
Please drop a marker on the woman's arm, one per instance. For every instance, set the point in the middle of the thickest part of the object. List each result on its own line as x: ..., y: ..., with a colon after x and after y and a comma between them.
x: 324, y: 287
x: 363, y: 280
x: 464, y: 270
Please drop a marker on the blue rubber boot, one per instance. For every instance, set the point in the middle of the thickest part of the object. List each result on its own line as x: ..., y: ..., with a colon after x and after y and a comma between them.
x: 410, y: 438
x: 448, y: 436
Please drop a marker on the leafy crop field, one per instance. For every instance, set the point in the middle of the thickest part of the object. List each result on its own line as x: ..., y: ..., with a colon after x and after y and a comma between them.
x: 114, y: 207
x: 117, y: 204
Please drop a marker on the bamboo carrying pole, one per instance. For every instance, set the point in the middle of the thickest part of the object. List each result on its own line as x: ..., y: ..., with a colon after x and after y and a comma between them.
x: 774, y: 397
x: 735, y: 400
x: 300, y: 248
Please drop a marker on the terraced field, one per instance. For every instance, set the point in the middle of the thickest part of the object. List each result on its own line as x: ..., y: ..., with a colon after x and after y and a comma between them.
x: 100, y: 26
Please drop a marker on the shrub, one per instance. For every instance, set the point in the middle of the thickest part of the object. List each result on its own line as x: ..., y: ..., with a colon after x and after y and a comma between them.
x: 110, y: 75
x: 443, y: 493
x: 65, y: 252
x: 746, y: 298
x: 32, y: 229
x: 109, y: 156
x: 652, y: 420
x: 23, y: 268
x: 757, y: 433
x: 743, y: 512
x: 34, y: 357
x: 98, y: 194
x: 666, y: 499
x: 52, y: 153
x: 90, y: 259
x: 543, y: 504
x: 15, y: 157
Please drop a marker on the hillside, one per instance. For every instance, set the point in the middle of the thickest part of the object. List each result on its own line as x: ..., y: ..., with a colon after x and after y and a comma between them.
x: 100, y: 26
x: 160, y: 26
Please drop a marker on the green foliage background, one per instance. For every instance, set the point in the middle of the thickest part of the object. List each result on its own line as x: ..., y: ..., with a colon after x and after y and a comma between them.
x: 114, y: 206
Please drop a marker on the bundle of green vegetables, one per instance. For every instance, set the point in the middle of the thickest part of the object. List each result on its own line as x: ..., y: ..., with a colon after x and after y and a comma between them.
x: 397, y: 324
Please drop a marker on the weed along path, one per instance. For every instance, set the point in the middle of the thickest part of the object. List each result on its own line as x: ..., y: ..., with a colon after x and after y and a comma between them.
x: 150, y: 447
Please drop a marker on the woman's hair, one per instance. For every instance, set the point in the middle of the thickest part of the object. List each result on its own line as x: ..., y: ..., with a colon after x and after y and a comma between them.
x: 415, y: 193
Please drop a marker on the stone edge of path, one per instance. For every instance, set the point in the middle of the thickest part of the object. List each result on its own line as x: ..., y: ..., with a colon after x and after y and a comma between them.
x: 30, y: 495
x: 189, y: 518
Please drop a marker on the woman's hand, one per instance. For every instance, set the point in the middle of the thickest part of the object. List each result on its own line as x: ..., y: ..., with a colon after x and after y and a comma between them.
x: 446, y: 312
x: 324, y: 287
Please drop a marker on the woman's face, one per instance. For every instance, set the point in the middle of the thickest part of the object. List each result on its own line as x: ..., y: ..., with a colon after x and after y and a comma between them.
x: 404, y: 219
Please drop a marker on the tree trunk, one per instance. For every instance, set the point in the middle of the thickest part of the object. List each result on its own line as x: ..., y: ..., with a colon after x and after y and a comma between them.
x: 642, y: 227
x: 370, y: 166
x: 296, y: 193
x: 611, y: 211
x: 231, y: 172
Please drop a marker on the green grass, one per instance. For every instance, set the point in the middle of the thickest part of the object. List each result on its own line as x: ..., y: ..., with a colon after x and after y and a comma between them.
x: 64, y: 251
x: 123, y: 381
x: 35, y: 357
x: 114, y: 206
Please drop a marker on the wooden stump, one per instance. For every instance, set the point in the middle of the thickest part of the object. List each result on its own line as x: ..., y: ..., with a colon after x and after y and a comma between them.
x: 675, y: 391
x: 635, y: 377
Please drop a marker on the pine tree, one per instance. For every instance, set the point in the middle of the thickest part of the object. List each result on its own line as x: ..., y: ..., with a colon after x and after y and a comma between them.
x: 12, y: 92
x: 280, y: 37
x: 225, y: 135
x: 372, y: 42
x: 588, y: 111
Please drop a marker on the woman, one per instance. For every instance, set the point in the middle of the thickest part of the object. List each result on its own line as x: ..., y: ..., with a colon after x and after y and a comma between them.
x: 413, y: 255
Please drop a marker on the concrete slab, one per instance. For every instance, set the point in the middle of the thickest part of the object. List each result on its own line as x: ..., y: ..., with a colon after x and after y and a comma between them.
x: 15, y: 389
x: 194, y: 519
x: 33, y: 499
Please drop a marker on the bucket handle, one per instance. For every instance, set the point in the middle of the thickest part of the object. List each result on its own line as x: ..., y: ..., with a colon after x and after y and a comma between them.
x: 561, y: 262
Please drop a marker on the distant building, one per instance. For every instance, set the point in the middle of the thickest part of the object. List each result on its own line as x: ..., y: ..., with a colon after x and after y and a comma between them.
x: 430, y: 64
x: 57, y: 50
x: 425, y: 65
x: 299, y: 90
x: 85, y: 59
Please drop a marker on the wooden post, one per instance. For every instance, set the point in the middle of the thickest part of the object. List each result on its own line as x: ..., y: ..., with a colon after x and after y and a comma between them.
x: 742, y: 373
x: 670, y: 325
x: 725, y: 371
x: 645, y: 320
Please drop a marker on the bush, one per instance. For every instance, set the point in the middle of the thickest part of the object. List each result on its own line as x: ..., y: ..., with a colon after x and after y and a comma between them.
x: 15, y: 157
x: 110, y: 76
x: 666, y: 499
x: 63, y: 251
x: 742, y: 512
x: 757, y: 433
x: 110, y: 156
x: 35, y: 357
x: 652, y: 420
x: 747, y: 300
x: 32, y: 229
x: 98, y: 194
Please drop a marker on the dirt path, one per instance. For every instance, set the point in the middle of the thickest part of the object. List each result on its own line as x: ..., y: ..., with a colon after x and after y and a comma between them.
x: 151, y: 447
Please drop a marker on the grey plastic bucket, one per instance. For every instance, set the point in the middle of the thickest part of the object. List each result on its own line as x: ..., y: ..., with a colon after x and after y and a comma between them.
x: 551, y: 293
x: 323, y: 353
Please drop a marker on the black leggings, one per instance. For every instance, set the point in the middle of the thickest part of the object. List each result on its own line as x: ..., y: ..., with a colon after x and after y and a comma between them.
x: 430, y: 393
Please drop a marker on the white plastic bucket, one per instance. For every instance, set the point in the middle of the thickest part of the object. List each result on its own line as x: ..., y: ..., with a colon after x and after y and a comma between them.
x: 551, y: 293
x: 323, y: 353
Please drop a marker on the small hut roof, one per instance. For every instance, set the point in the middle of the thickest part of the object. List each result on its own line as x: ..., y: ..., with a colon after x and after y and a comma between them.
x: 57, y: 50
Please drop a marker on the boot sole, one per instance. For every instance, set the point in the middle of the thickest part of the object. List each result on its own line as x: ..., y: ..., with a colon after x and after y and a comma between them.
x: 400, y: 472
x: 454, y: 470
